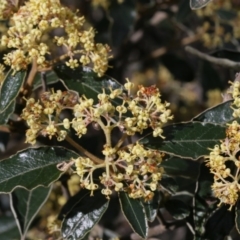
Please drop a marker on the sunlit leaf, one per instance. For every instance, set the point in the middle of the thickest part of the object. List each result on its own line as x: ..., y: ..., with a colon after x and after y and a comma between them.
x: 186, y: 140
x: 196, y: 4
x: 33, y: 167
x: 81, y: 213
x: 220, y: 114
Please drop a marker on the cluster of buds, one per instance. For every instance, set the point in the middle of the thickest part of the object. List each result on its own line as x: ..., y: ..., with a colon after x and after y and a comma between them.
x: 135, y: 170
x: 43, y: 117
x: 30, y: 26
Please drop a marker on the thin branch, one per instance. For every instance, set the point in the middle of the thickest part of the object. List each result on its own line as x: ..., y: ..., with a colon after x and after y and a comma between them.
x: 30, y: 78
x: 84, y: 151
x: 121, y: 141
x: 224, y: 62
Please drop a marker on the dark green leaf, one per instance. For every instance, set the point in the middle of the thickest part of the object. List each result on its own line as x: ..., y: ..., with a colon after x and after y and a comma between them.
x: 10, y: 88
x: 134, y: 213
x: 4, y: 116
x: 122, y: 19
x: 237, y: 217
x: 210, y: 77
x: 81, y: 213
x: 169, y: 183
x: 187, y: 140
x: 85, y: 81
x: 33, y: 167
x: 220, y: 223
x: 26, y: 204
x: 227, y: 53
x: 204, y: 204
x: 177, y: 208
x: 50, y: 76
x: 227, y: 15
x: 151, y: 207
x: 220, y: 114
x: 184, y: 11
x: 175, y: 166
x: 8, y: 228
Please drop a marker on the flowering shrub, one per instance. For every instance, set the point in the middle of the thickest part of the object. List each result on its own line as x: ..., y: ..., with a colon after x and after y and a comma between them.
x: 88, y: 139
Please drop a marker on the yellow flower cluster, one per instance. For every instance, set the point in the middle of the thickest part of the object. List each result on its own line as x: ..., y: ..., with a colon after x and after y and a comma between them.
x: 27, y: 36
x: 134, y: 114
x: 43, y: 116
x: 235, y: 92
x: 144, y: 110
x: 135, y: 170
x: 214, y: 32
x: 226, y: 185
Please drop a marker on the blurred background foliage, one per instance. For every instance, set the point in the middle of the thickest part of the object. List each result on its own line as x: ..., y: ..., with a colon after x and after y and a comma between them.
x: 148, y: 40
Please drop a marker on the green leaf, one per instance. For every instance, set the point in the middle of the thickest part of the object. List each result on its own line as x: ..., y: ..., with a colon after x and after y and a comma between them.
x: 175, y: 166
x: 177, y: 208
x: 151, y: 207
x: 186, y: 140
x: 51, y: 78
x: 26, y: 204
x: 8, y: 228
x: 220, y: 114
x: 86, y: 82
x: 204, y: 204
x: 220, y: 223
x: 227, y: 15
x: 184, y: 11
x: 33, y: 167
x: 169, y: 183
x: 134, y: 213
x: 227, y: 53
x: 10, y: 88
x: 4, y: 116
x: 81, y: 213
x: 123, y: 16
x: 237, y: 216
x: 196, y: 4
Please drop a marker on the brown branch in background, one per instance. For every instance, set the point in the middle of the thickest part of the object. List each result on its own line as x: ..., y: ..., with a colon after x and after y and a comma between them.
x: 84, y: 151
x: 31, y: 75
x: 218, y: 61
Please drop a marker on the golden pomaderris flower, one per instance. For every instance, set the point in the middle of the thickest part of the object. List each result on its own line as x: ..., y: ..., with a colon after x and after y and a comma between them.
x: 27, y: 37
x: 131, y: 168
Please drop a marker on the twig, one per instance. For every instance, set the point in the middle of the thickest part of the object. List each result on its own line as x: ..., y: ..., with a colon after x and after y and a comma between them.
x: 83, y: 150
x: 30, y: 78
x: 218, y: 61
x: 121, y: 141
